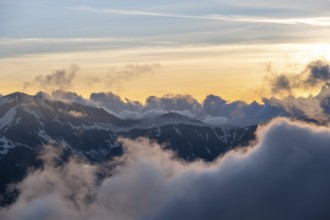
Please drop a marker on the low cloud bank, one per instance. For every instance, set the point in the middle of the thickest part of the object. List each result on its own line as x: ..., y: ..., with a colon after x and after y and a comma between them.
x: 213, y: 109
x: 217, y: 111
x: 284, y: 175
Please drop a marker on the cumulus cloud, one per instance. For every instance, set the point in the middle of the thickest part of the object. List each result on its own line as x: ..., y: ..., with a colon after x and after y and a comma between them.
x: 283, y: 175
x: 154, y: 106
x: 216, y: 106
x: 114, y: 102
x: 67, y: 96
x: 315, y: 75
x: 213, y: 109
x: 308, y: 108
x: 173, y: 102
x: 312, y: 107
x: 217, y: 111
x: 58, y: 80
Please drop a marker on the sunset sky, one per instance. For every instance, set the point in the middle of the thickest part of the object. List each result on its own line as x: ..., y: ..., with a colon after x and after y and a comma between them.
x: 141, y: 48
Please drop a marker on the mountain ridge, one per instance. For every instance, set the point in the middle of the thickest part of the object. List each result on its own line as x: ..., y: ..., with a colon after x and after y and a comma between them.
x: 29, y: 123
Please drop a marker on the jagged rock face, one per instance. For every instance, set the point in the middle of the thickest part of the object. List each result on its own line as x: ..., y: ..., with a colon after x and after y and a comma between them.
x: 28, y: 123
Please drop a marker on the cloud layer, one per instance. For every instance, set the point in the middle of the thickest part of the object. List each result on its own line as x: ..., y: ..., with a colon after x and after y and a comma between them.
x: 213, y: 109
x: 282, y: 176
x: 313, y: 21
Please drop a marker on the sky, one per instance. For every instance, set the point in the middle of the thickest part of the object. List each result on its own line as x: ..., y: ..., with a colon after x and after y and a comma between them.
x: 141, y: 48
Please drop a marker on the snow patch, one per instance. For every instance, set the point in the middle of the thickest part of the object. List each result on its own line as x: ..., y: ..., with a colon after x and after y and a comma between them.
x: 42, y: 134
x: 177, y: 130
x: 8, y: 118
x: 94, y: 126
x: 5, y: 145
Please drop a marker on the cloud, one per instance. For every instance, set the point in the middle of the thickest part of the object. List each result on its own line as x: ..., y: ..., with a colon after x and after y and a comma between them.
x: 129, y: 72
x: 308, y: 108
x: 185, y: 104
x: 127, y: 114
x: 58, y: 80
x: 212, y: 110
x: 312, y: 21
x: 280, y: 83
x: 216, y: 120
x: 283, y: 175
x: 216, y: 106
x: 66, y: 96
x: 318, y: 72
x: 215, y: 110
x: 315, y: 75
x: 275, y: 179
x: 77, y: 114
x: 173, y: 102
x: 114, y: 103
x: 154, y: 106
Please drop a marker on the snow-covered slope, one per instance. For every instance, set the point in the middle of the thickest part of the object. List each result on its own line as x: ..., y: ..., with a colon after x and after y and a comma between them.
x: 8, y: 118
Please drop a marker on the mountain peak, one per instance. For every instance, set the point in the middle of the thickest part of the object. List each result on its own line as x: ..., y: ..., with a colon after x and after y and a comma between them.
x: 15, y: 94
x: 18, y: 96
x: 41, y: 94
x: 172, y: 115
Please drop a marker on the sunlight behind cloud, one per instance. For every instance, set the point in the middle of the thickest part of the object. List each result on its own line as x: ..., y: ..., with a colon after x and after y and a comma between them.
x: 184, y: 64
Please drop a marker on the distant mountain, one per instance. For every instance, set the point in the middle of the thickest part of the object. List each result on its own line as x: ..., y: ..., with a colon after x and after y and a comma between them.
x: 28, y: 123
x: 167, y: 118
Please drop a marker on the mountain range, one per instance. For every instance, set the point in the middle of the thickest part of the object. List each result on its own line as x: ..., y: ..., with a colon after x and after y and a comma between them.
x: 29, y: 123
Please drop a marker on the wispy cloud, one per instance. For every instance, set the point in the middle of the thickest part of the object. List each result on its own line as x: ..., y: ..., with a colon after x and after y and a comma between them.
x: 127, y: 73
x: 313, y: 21
x: 6, y: 41
x: 59, y: 79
